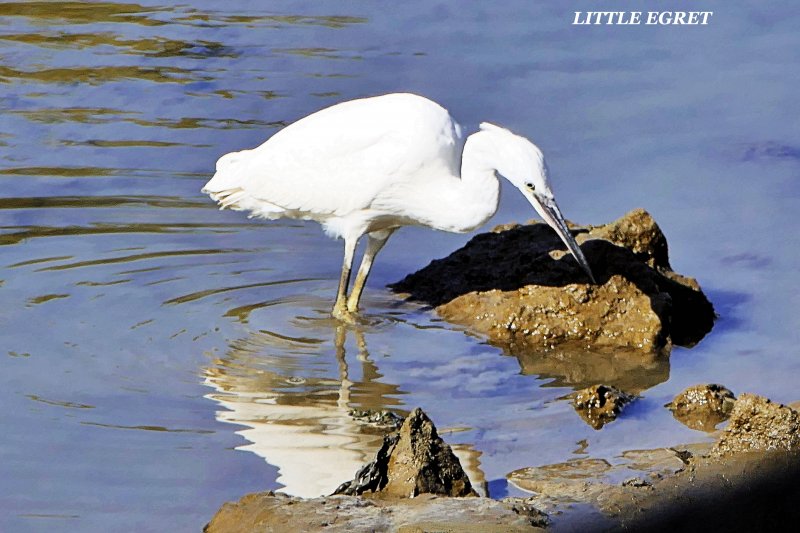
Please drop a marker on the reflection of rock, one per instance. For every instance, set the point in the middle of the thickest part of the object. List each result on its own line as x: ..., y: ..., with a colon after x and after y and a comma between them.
x: 702, y: 406
x: 629, y: 370
x: 269, y: 512
x: 757, y: 424
x: 413, y: 461
x: 600, y: 404
x: 525, y: 293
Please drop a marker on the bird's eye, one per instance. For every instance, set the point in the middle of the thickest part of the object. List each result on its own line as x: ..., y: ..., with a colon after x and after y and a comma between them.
x: 531, y: 186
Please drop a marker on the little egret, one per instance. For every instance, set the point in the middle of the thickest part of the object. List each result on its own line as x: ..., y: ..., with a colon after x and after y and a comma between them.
x: 371, y: 165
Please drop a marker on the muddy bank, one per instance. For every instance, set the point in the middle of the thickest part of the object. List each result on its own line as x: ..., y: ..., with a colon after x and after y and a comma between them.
x: 518, y: 286
x: 673, y: 489
x: 271, y: 512
x: 744, y: 481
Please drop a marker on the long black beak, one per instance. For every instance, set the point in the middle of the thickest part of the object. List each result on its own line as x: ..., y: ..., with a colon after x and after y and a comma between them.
x: 549, y: 211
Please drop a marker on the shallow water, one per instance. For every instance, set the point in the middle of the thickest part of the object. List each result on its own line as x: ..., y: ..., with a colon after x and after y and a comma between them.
x: 162, y: 357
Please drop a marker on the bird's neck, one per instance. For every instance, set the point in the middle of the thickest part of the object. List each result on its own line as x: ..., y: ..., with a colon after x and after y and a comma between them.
x: 479, y: 188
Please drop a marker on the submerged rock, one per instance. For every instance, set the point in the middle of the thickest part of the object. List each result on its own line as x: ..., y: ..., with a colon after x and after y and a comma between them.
x: 758, y: 424
x: 412, y: 461
x: 520, y: 287
x: 600, y: 404
x: 596, y: 482
x: 702, y: 407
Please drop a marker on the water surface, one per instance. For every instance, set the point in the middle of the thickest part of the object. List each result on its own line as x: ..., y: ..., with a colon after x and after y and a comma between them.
x: 162, y: 357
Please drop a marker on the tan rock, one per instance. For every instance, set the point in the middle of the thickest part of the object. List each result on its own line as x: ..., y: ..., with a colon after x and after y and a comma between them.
x: 520, y: 288
x: 600, y: 404
x: 702, y: 407
x: 758, y: 424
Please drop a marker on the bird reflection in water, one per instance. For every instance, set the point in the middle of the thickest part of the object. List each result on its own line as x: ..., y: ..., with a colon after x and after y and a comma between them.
x: 303, y: 424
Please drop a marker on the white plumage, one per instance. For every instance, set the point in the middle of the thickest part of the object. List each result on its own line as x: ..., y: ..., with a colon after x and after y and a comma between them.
x: 371, y: 165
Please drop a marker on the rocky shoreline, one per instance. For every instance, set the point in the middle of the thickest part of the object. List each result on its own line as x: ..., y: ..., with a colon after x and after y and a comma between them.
x: 743, y: 481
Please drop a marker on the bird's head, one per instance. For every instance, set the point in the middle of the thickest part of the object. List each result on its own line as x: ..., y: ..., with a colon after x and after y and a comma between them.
x: 522, y: 163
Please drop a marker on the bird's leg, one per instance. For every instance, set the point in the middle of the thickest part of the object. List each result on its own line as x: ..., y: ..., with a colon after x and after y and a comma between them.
x: 340, y: 307
x: 376, y: 241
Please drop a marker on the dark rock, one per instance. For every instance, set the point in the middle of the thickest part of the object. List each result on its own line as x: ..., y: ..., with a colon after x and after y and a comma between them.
x: 525, y: 292
x: 600, y: 404
x: 412, y: 461
x: 758, y: 424
x: 373, y: 476
x: 702, y: 407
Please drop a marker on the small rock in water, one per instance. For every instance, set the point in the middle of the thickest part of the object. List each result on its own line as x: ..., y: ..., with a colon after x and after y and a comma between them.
x: 412, y: 461
x: 703, y: 407
x: 758, y: 424
x: 377, y: 418
x: 600, y: 404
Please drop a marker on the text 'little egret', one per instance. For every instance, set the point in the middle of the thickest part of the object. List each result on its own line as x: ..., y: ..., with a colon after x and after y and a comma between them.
x: 371, y: 165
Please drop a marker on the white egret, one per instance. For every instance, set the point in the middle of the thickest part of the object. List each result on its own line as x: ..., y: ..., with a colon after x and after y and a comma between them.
x: 371, y: 165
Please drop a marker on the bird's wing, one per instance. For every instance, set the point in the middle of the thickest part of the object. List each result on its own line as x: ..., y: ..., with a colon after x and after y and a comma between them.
x: 346, y: 157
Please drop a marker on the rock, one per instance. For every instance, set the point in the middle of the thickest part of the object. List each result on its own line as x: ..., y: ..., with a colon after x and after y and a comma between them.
x: 638, y: 232
x: 702, y: 407
x: 522, y: 289
x: 373, y: 476
x: 412, y: 461
x: 758, y: 424
x: 276, y: 513
x: 600, y: 404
